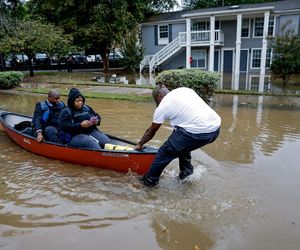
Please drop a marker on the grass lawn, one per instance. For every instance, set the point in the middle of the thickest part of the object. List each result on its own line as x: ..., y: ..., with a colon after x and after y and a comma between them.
x: 63, y: 81
x: 62, y: 77
x: 78, y: 78
x: 65, y: 92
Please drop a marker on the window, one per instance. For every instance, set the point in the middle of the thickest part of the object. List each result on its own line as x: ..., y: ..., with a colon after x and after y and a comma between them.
x: 163, y: 34
x: 258, y: 27
x: 200, y: 26
x: 268, y: 58
x: 254, y: 83
x: 198, y: 59
x: 204, y: 25
x: 271, y: 26
x: 256, y: 55
x: 245, y: 27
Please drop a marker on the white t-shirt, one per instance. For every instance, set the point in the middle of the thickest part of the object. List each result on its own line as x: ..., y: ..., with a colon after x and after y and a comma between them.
x: 184, y: 108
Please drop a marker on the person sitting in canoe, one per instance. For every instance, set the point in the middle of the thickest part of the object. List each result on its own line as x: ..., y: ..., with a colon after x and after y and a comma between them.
x: 79, y: 123
x: 45, y: 118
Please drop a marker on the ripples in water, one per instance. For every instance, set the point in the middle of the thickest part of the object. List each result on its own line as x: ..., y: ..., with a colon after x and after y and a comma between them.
x: 240, y: 180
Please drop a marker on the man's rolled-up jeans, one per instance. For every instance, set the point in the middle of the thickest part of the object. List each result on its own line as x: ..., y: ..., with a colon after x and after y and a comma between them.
x: 179, y: 144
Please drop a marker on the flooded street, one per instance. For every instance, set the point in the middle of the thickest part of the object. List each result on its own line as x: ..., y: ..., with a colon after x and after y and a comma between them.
x: 244, y: 193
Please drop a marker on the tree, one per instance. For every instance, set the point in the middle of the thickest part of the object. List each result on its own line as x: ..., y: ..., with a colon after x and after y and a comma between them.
x: 14, y: 8
x: 9, y: 8
x: 286, y: 54
x: 131, y: 50
x: 30, y: 37
x: 97, y: 24
x: 201, y: 4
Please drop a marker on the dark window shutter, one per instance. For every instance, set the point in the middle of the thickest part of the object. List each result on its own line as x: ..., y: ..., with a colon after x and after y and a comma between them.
x: 170, y: 33
x: 155, y: 34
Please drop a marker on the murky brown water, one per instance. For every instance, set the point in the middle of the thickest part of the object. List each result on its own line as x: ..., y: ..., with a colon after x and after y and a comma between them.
x: 244, y: 193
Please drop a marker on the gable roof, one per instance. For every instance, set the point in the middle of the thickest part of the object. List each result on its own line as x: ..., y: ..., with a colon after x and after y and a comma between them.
x: 278, y: 6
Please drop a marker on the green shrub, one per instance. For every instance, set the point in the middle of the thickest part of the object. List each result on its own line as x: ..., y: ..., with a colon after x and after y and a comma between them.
x: 202, y: 82
x: 10, y: 79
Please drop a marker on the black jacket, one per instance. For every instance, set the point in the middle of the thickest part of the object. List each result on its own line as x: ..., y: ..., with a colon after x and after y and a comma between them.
x: 70, y: 119
x: 54, y: 113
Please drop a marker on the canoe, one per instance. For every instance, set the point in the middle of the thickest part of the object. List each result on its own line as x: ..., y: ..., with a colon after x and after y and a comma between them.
x: 137, y: 161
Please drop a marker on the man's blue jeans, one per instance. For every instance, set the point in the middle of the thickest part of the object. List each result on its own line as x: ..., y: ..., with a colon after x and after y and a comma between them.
x: 179, y: 144
x: 51, y: 133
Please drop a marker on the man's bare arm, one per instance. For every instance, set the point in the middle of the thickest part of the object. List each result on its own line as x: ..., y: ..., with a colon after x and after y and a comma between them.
x: 148, y: 135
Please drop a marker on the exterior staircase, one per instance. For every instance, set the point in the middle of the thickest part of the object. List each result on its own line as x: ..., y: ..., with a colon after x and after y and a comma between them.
x: 152, y: 61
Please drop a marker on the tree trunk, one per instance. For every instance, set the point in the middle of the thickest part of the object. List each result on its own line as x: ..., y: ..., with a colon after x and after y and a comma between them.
x: 285, y: 80
x: 2, y: 62
x: 106, y: 63
x: 30, y: 65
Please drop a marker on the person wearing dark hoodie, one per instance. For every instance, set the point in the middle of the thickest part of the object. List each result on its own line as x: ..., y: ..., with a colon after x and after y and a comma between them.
x: 79, y: 121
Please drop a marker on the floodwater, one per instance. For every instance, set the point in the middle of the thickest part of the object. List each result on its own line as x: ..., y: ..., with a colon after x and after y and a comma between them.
x: 244, y: 193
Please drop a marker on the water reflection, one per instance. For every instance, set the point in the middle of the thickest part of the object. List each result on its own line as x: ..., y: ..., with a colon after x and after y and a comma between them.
x: 250, y: 82
x: 256, y: 124
x: 125, y: 78
x: 169, y: 235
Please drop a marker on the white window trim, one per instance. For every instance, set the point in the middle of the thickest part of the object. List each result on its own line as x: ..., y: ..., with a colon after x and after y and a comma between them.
x: 165, y: 40
x: 207, y: 25
x: 250, y: 81
x: 257, y: 76
x: 251, y: 62
x: 254, y: 36
x: 249, y: 28
x: 205, y: 58
x: 271, y: 58
x: 274, y: 23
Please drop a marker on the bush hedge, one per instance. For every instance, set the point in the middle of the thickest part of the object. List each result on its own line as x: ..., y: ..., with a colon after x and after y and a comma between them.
x: 10, y: 79
x: 204, y: 83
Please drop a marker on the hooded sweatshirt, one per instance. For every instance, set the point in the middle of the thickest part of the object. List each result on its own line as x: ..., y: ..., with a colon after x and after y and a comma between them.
x: 70, y: 118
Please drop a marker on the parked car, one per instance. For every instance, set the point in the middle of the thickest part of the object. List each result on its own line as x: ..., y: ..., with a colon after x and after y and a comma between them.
x: 91, y: 58
x: 16, y: 60
x: 79, y: 58
x: 41, y: 59
x: 115, y: 55
x: 94, y: 58
x: 54, y: 60
x: 98, y: 58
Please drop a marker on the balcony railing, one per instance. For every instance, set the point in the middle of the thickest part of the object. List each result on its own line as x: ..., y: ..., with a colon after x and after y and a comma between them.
x: 202, y: 37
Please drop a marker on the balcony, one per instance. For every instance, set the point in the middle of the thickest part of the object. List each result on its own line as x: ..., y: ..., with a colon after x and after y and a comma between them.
x: 202, y: 38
